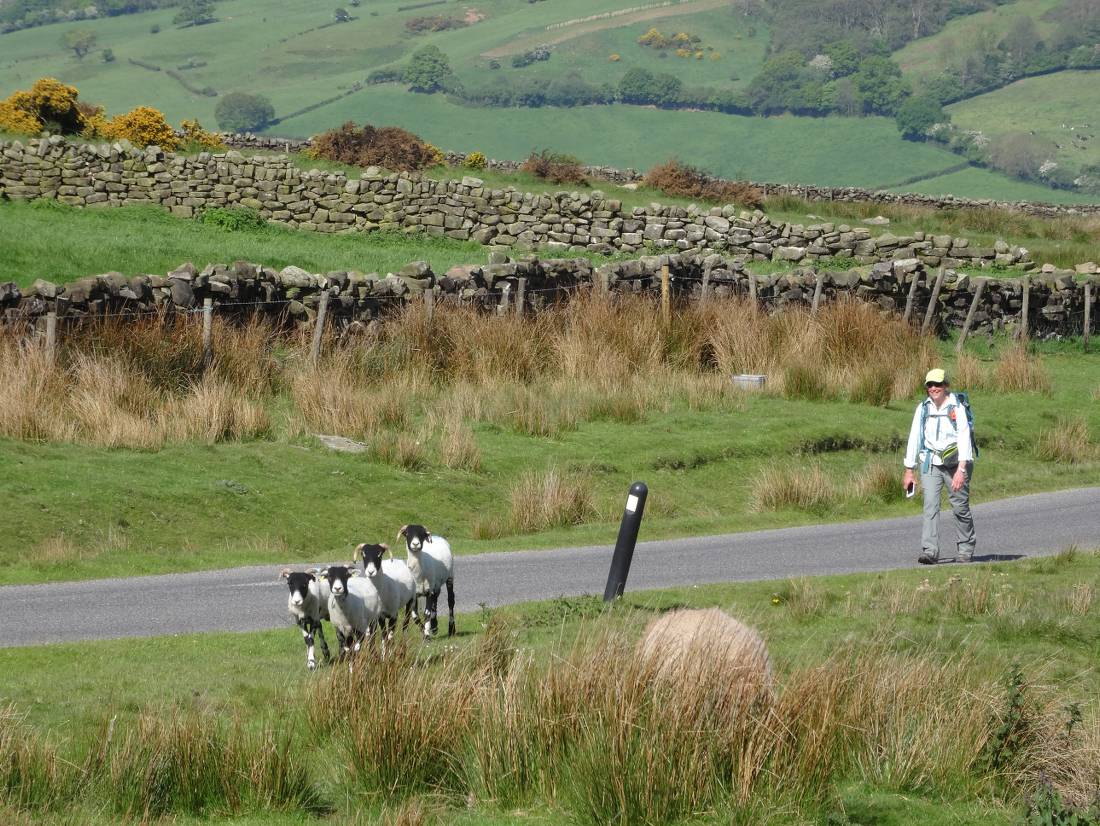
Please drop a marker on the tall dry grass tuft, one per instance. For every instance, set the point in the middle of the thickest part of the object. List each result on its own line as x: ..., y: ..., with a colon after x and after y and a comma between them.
x: 190, y: 763
x: 969, y: 374
x: 550, y: 499
x: 457, y: 445
x: 1018, y: 372
x: 607, y: 340
x: 801, y: 488
x: 1066, y: 442
x: 30, y: 408
x: 33, y: 777
x: 213, y: 411
x: 877, y: 481
x: 336, y: 397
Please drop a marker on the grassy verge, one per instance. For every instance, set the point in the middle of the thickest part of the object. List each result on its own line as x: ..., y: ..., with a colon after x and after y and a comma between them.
x: 954, y: 693
x: 127, y: 457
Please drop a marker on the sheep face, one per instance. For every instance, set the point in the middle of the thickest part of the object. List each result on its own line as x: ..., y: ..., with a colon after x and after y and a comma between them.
x: 299, y: 586
x: 372, y: 558
x: 415, y: 537
x: 338, y: 576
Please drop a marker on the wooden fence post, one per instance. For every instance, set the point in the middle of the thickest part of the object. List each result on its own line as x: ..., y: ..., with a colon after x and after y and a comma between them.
x: 505, y: 296
x: 1088, y: 315
x: 912, y: 297
x: 521, y: 297
x: 319, y: 327
x: 932, y: 301
x: 429, y: 303
x: 666, y: 306
x: 704, y: 294
x: 818, y: 287
x: 979, y: 286
x: 752, y: 289
x: 51, y: 335
x: 1021, y: 331
x: 207, y: 331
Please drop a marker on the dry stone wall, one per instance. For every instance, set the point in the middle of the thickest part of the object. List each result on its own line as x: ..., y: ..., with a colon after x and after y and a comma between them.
x: 358, y: 300
x: 114, y: 175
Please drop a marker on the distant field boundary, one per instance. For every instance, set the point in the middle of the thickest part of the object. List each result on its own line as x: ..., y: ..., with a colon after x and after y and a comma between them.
x: 597, y: 22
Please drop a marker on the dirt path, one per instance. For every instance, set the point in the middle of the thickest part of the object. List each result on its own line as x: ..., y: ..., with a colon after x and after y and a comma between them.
x: 525, y: 42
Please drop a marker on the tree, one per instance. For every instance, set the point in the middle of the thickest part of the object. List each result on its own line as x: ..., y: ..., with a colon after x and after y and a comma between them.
x: 881, y: 85
x: 81, y: 41
x: 242, y: 112
x: 916, y: 116
x: 1019, y: 154
x: 428, y: 70
x: 195, y: 13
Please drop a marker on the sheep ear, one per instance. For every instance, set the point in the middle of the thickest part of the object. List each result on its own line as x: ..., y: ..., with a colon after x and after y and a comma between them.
x: 401, y: 532
x: 353, y: 572
x: 285, y: 573
x: 358, y: 552
x: 386, y: 549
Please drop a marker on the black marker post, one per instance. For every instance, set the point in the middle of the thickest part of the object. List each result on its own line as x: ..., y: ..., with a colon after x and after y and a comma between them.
x: 624, y: 545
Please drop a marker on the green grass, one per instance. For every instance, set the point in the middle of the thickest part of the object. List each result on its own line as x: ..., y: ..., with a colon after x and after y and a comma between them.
x: 985, y: 619
x: 187, y: 507
x: 135, y: 240
x: 927, y: 56
x: 1057, y: 108
x: 974, y: 181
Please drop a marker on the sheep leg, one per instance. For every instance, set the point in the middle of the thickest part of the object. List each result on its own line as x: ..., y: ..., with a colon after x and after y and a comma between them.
x: 307, y: 634
x: 450, y: 607
x: 324, y: 644
x: 410, y: 611
x: 433, y: 613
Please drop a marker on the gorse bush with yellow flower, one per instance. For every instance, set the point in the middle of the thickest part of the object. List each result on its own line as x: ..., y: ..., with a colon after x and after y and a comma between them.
x: 142, y: 126
x: 50, y: 104
x: 195, y: 136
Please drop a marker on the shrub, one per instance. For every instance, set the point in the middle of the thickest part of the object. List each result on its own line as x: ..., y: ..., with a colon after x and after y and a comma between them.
x: 475, y: 160
x: 50, y: 104
x: 195, y: 135
x: 433, y: 23
x: 142, y: 126
x: 387, y: 146
x: 676, y: 178
x: 233, y: 218
x: 242, y: 112
x: 555, y: 167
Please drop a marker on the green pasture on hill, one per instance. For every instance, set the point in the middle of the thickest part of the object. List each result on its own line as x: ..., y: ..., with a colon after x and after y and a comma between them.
x: 1062, y: 109
x: 123, y: 512
x: 927, y: 56
x: 974, y: 180
x: 298, y: 58
x: 836, y: 151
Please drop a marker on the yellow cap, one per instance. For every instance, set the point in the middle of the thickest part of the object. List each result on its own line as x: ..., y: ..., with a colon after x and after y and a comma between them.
x: 936, y: 375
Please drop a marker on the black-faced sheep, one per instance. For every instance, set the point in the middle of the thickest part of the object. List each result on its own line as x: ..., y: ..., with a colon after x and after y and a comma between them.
x: 354, y: 607
x: 308, y: 604
x: 394, y: 582
x: 432, y: 566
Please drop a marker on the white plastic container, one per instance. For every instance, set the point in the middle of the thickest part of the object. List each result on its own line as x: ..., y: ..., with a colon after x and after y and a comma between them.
x: 749, y: 381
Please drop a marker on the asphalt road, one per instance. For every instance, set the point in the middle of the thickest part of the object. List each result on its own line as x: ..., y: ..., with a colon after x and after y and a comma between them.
x: 254, y: 598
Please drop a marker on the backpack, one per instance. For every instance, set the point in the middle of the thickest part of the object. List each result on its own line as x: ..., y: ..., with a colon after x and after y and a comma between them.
x: 963, y: 400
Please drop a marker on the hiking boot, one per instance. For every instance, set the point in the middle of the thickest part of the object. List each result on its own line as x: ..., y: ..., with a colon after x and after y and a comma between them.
x: 927, y: 558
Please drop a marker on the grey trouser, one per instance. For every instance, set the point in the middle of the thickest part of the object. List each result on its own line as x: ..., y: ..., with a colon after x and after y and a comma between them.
x: 933, y: 483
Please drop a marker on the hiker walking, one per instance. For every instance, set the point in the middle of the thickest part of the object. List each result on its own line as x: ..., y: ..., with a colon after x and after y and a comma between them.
x: 940, y: 440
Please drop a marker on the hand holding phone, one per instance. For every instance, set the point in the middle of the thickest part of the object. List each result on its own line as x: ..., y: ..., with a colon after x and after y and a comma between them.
x: 910, y: 490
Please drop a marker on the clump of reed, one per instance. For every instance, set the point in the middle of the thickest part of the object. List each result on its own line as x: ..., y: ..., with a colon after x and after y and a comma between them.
x: 1066, y: 442
x: 541, y: 500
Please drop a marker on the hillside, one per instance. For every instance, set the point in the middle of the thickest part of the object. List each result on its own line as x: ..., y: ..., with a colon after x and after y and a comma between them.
x: 570, y: 76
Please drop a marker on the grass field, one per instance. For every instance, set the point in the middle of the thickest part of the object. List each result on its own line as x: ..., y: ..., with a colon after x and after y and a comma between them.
x: 975, y: 179
x: 927, y: 56
x: 948, y: 695
x: 246, y: 482
x: 1061, y: 108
